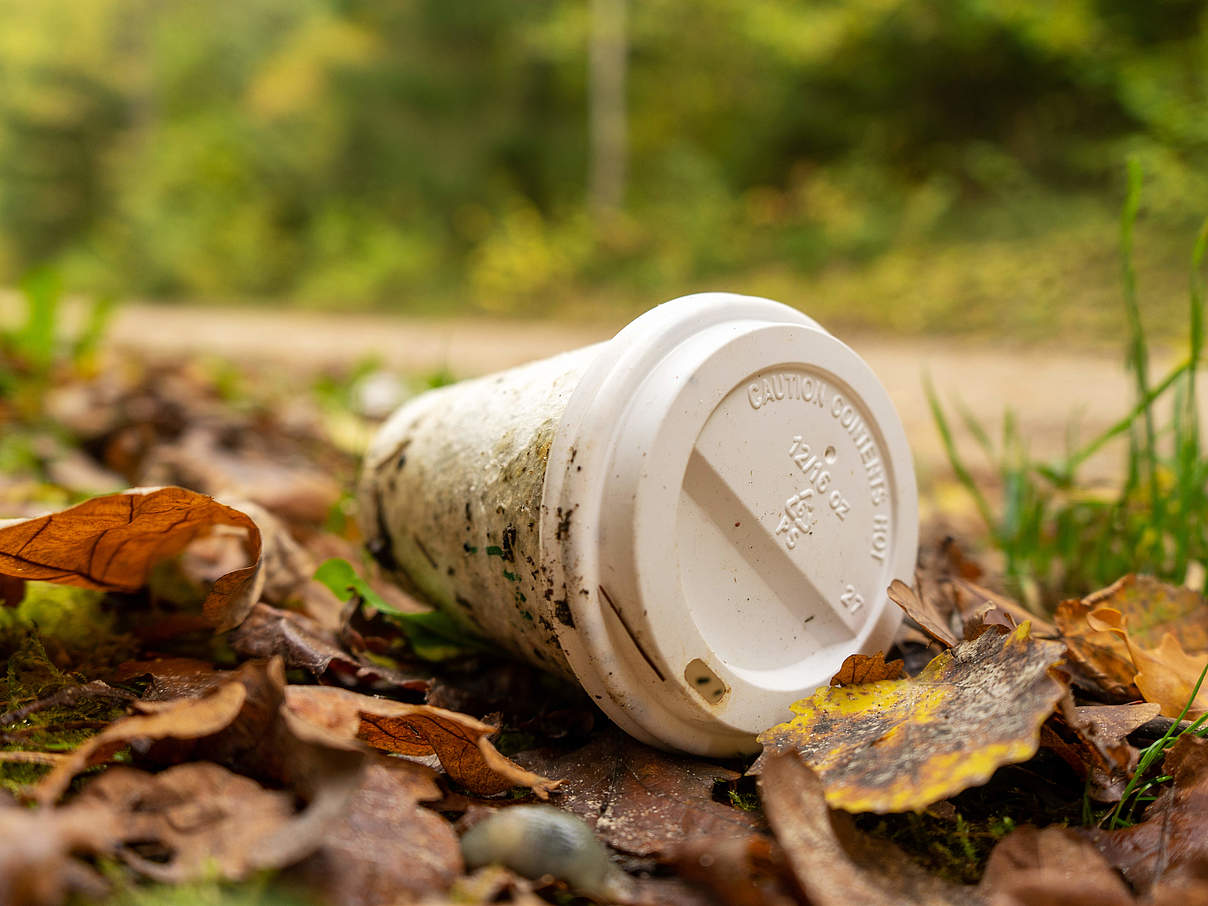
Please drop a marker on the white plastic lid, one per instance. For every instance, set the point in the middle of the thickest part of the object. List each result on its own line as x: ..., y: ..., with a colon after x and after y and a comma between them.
x: 742, y: 495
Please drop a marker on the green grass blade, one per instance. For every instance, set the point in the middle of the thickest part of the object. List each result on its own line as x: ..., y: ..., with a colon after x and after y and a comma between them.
x: 954, y: 459
x: 1143, y: 405
x: 1138, y: 356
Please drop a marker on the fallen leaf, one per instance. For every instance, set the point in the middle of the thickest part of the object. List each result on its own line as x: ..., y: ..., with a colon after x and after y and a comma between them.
x: 1054, y: 866
x: 864, y: 668
x: 900, y: 745
x: 111, y: 543
x: 1115, y: 721
x: 740, y: 871
x: 458, y: 740
x: 266, y: 741
x: 641, y: 800
x: 1100, y: 655
x: 275, y: 479
x: 1100, y: 732
x: 1140, y: 637
x: 967, y: 598
x: 988, y: 616
x: 923, y: 612
x: 39, y: 850
x: 386, y: 848
x: 185, y: 718
x: 1153, y: 608
x: 193, y: 821
x: 833, y: 863
x: 1167, y: 675
x: 1172, y: 840
x: 171, y: 677
x: 303, y: 644
x: 285, y: 566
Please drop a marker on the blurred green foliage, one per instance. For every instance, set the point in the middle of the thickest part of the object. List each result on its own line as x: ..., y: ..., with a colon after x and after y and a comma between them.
x: 368, y: 151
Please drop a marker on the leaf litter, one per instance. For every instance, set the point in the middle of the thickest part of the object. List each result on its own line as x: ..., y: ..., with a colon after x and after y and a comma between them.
x: 330, y: 737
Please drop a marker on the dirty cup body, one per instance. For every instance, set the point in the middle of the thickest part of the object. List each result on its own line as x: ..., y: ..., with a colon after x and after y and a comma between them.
x: 696, y: 520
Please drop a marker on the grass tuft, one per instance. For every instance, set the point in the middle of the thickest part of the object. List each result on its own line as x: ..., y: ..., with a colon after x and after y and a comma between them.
x: 1059, y: 537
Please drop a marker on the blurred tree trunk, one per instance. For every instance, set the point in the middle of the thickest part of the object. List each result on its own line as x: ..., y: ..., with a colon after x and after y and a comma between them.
x: 607, y: 109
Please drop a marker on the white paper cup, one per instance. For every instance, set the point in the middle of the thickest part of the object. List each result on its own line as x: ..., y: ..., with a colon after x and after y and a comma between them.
x: 697, y: 520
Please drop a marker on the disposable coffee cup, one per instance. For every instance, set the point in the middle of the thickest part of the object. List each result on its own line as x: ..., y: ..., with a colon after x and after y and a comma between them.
x: 697, y: 520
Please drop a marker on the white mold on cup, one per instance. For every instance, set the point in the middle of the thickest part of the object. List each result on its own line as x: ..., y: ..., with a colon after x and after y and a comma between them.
x: 697, y: 519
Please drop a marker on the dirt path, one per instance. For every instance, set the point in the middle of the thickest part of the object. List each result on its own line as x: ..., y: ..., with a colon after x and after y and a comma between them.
x: 1044, y: 388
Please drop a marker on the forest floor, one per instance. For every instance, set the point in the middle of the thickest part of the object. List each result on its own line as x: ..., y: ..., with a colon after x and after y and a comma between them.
x: 211, y: 711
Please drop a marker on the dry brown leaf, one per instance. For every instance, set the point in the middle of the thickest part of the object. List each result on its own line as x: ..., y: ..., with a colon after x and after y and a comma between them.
x: 865, y: 668
x: 741, y: 871
x: 900, y: 745
x: 386, y: 848
x: 1153, y: 608
x: 1050, y: 867
x: 285, y: 566
x: 1140, y: 632
x: 639, y: 799
x: 183, y: 719
x: 1102, y: 750
x: 833, y: 863
x: 172, y: 677
x: 111, y: 543
x: 947, y: 582
x: 38, y: 850
x: 293, y: 489
x: 988, y: 616
x: 304, y: 644
x: 193, y: 821
x: 1167, y: 675
x: 1172, y: 842
x: 459, y: 741
x: 967, y: 598
x: 268, y: 742
x: 923, y: 612
x: 1101, y: 656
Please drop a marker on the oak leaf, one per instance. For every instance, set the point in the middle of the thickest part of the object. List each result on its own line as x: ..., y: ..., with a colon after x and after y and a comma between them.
x: 110, y: 543
x: 1166, y: 675
x: 900, y: 745
x: 1154, y: 608
x: 460, y: 742
x: 1100, y: 655
x: 864, y: 668
x: 1140, y: 637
